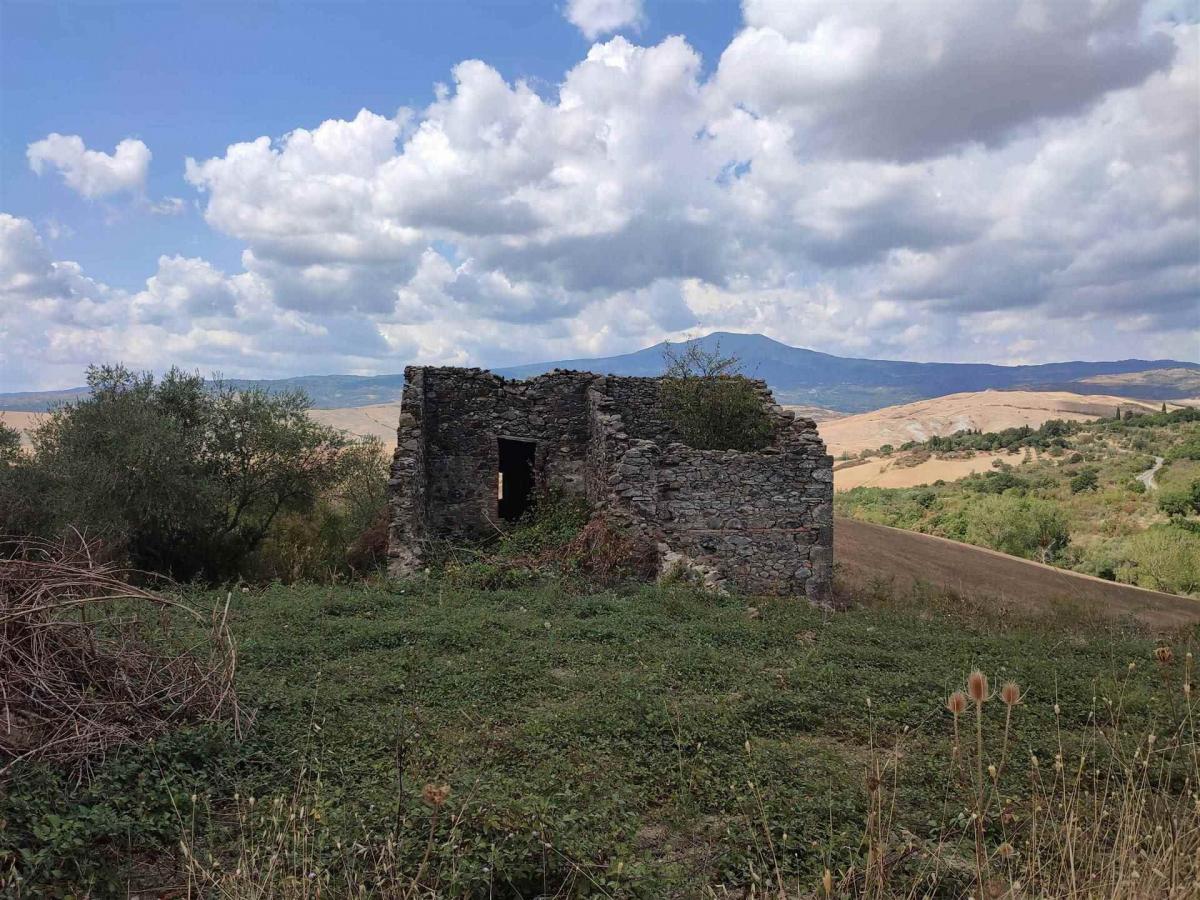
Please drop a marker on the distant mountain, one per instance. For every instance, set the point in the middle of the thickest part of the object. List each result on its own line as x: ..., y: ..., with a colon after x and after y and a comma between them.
x: 802, y: 376
x: 38, y: 401
x: 798, y: 376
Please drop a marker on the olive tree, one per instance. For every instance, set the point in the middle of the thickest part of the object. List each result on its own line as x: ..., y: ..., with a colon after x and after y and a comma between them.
x: 188, y: 476
x: 1020, y: 526
x: 1166, y: 558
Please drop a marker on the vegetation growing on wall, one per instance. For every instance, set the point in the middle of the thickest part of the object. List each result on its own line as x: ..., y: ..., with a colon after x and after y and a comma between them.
x: 709, y: 403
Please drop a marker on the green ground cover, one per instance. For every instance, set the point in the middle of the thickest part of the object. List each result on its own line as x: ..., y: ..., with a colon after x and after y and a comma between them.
x: 643, y: 741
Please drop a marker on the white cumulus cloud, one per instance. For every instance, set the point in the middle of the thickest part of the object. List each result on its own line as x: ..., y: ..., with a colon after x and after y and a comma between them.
x: 897, y: 80
x: 92, y: 173
x: 599, y: 17
x: 1021, y: 185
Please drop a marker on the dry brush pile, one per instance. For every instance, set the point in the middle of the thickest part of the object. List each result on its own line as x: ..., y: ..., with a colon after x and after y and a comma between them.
x: 90, y: 660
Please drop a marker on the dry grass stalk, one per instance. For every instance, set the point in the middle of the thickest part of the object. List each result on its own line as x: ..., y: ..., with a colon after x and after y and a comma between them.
x: 1115, y: 816
x: 90, y: 661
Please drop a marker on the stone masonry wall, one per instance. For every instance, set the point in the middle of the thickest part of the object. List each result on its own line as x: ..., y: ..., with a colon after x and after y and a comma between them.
x: 444, y: 483
x: 759, y: 521
x: 408, y: 528
x: 639, y: 403
x: 763, y: 521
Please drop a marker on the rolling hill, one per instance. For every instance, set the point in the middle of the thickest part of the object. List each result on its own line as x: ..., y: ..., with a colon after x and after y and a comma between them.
x: 1182, y: 380
x: 798, y: 376
x: 975, y: 410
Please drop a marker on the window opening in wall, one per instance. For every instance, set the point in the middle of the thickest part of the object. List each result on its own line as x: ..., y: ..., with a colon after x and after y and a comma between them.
x: 514, y: 481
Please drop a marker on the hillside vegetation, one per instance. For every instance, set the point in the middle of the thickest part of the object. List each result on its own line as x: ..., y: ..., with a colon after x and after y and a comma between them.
x: 1077, y: 495
x: 196, y: 480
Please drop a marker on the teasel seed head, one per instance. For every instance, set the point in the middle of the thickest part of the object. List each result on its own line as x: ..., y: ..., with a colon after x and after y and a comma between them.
x: 977, y: 686
x: 435, y: 795
x: 1010, y: 693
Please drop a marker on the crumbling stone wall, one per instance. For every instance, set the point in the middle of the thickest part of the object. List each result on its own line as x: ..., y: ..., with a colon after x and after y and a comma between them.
x: 444, y: 469
x: 638, y: 401
x: 758, y: 521
x: 761, y: 521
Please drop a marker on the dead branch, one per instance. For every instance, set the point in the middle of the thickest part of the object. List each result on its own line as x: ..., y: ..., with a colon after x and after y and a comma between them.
x: 90, y: 660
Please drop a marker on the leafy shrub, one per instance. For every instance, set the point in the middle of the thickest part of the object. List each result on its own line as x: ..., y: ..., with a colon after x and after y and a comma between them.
x: 22, y: 488
x: 997, y: 481
x: 1164, y: 558
x: 1021, y: 526
x: 557, y: 538
x: 709, y: 404
x: 899, y: 508
x: 1186, y: 449
x: 10, y: 445
x: 1085, y: 480
x: 188, y: 476
x: 345, y: 531
x: 1181, y: 501
x: 1102, y: 560
x: 553, y: 521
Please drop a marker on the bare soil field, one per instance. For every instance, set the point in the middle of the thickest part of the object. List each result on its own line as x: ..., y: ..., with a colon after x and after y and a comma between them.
x: 979, y: 410
x: 866, y: 552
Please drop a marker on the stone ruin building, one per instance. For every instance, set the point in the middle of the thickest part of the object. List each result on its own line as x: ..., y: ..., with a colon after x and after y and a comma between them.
x: 474, y: 450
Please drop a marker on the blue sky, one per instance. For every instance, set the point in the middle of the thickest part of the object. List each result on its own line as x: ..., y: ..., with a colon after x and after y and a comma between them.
x: 1007, y: 182
x: 190, y: 79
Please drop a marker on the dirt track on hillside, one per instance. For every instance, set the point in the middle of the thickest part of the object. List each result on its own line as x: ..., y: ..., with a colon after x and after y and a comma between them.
x: 865, y: 552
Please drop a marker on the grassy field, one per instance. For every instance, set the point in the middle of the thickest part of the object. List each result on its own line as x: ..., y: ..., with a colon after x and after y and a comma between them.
x: 651, y: 741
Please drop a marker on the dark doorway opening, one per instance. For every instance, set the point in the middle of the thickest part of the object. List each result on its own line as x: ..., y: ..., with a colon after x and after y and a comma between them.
x: 515, y: 482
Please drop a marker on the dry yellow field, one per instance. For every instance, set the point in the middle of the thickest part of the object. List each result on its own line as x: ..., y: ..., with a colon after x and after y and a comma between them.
x: 24, y: 422
x: 886, y: 473
x: 378, y: 421
x: 980, y: 410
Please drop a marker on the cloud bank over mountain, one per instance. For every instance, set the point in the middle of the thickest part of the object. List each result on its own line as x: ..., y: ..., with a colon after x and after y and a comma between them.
x: 868, y: 178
